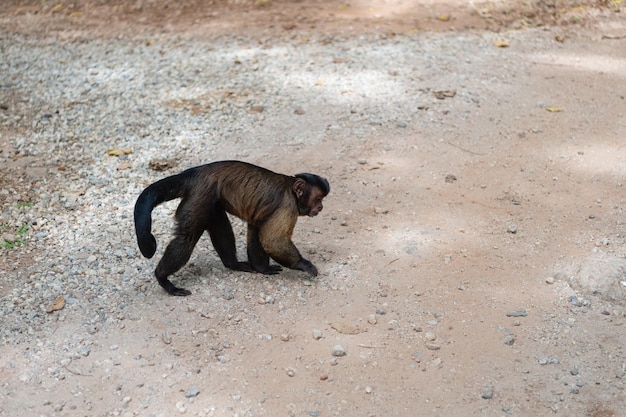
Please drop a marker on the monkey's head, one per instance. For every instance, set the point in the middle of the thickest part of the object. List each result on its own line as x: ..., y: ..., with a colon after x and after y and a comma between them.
x: 310, y: 190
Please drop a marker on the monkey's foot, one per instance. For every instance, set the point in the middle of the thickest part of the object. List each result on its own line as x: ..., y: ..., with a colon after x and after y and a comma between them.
x: 179, y: 292
x: 242, y: 266
x: 172, y: 289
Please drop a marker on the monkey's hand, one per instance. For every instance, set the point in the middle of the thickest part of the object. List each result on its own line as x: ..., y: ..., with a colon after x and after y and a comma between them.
x: 307, y: 266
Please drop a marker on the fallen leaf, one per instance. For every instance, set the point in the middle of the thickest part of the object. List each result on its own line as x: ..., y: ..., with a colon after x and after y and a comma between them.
x: 559, y: 39
x: 501, y: 43
x: 57, y: 7
x: 58, y: 304
x: 343, y: 6
x: 256, y: 109
x: 346, y: 328
x: 553, y: 109
x: 119, y: 151
x: 162, y: 164
x: 443, y: 17
x: 444, y: 94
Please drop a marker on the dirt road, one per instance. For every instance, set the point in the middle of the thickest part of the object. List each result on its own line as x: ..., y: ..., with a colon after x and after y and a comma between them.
x: 471, y: 250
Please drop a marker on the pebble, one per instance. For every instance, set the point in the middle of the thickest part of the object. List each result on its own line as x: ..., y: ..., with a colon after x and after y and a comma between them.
x: 509, y: 340
x: 317, y: 334
x: 487, y: 394
x: 193, y: 391
x: 339, y: 350
x: 520, y: 313
x: 548, y: 361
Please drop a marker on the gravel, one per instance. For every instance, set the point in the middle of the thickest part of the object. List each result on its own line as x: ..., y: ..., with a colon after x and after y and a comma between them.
x: 190, y: 100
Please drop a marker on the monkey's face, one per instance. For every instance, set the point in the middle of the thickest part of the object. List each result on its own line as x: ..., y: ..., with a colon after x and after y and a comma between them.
x: 310, y: 201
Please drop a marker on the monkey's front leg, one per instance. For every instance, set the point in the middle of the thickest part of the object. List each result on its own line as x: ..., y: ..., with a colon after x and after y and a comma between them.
x: 257, y: 257
x: 282, y: 250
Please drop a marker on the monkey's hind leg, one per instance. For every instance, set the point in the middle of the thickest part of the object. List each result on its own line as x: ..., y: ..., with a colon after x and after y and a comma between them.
x: 175, y: 257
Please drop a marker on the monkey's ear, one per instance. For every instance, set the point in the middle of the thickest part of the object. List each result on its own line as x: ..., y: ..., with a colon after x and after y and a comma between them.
x: 298, y: 187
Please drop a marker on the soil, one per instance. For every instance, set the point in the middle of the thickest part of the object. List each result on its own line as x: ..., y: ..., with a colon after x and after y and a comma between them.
x: 446, y: 253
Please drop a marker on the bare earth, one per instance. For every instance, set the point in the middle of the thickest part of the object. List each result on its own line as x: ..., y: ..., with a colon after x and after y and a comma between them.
x: 433, y: 234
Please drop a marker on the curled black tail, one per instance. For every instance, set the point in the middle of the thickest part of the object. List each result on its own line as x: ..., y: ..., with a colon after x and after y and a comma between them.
x: 163, y: 190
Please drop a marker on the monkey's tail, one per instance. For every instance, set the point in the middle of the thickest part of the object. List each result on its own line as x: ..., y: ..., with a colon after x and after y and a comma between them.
x: 165, y: 189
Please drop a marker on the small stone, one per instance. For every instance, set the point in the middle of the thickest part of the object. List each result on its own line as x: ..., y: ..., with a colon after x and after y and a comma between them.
x: 371, y: 319
x: 547, y: 361
x: 193, y: 391
x: 166, y: 338
x: 290, y: 372
x: 284, y: 337
x: 549, y: 280
x: 368, y: 390
x: 229, y: 294
x: 512, y: 229
x: 487, y: 394
x: 317, y: 334
x: 450, y: 178
x: 509, y: 340
x: 432, y: 346
x: 339, y: 350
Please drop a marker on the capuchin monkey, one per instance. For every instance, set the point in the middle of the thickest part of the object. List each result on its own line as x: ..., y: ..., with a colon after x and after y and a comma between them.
x: 269, y: 202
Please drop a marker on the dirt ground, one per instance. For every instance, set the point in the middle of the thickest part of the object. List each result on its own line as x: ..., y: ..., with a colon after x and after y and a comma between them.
x: 446, y: 259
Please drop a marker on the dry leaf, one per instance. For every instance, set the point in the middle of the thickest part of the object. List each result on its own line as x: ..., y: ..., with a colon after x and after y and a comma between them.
x: 162, y: 164
x: 443, y: 17
x: 345, y: 328
x: 559, y: 39
x: 501, y: 43
x: 118, y: 151
x: 444, y: 94
x: 256, y: 109
x: 58, y: 304
x: 553, y: 109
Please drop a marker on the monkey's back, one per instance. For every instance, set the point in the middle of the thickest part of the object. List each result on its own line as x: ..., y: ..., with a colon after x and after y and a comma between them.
x: 247, y: 191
